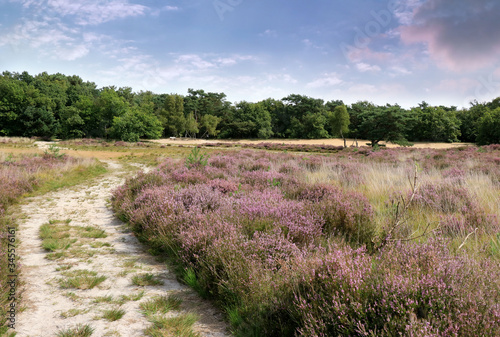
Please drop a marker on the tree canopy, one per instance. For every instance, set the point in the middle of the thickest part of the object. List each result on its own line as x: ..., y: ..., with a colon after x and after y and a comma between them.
x: 61, y: 106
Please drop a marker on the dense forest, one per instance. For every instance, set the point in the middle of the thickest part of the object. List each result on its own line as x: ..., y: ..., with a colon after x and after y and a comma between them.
x: 61, y: 106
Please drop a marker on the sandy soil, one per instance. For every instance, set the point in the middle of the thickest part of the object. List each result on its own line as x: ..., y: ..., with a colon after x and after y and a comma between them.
x: 334, y: 142
x: 50, y: 308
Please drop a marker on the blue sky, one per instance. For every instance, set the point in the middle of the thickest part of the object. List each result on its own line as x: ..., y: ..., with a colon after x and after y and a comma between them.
x: 392, y: 51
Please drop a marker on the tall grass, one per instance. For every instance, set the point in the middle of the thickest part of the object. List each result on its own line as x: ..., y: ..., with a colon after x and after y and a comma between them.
x: 287, y: 244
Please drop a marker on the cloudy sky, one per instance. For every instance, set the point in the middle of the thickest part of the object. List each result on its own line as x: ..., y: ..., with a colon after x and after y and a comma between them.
x: 392, y: 51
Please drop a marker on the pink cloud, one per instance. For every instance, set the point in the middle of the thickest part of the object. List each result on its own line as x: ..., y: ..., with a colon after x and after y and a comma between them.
x: 366, y: 54
x: 460, y: 35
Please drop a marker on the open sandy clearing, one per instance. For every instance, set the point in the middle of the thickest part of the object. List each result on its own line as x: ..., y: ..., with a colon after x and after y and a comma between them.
x: 96, y: 246
x: 333, y: 142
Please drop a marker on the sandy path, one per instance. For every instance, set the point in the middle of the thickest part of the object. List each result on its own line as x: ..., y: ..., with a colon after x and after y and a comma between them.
x: 119, y: 256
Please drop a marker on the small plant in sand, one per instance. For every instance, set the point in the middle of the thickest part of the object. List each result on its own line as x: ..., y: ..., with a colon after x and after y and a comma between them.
x: 78, y: 331
x: 162, y: 304
x: 181, y: 325
x: 92, y: 232
x: 113, y: 314
x: 146, y: 280
x: 81, y: 279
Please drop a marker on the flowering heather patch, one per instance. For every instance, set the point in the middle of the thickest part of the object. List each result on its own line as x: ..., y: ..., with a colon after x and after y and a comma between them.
x: 285, y: 245
x: 407, y: 288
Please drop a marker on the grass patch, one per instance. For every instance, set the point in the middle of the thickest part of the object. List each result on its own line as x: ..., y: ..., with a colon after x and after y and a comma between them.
x: 103, y: 299
x: 64, y: 267
x: 72, y: 313
x: 146, y: 280
x: 78, y: 331
x: 99, y: 244
x: 162, y: 305
x: 133, y: 297
x: 92, y: 232
x: 81, y: 253
x: 113, y: 314
x: 81, y: 279
x: 181, y: 325
x: 56, y: 256
x: 129, y: 263
x: 72, y: 296
x: 53, y: 245
x: 55, y: 180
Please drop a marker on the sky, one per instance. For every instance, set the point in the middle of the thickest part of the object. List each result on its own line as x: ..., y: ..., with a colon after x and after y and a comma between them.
x: 444, y: 52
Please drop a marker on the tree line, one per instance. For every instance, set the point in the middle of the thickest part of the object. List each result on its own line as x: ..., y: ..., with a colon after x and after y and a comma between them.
x: 61, y: 106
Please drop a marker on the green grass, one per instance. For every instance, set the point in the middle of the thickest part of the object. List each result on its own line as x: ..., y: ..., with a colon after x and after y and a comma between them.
x: 80, y: 174
x: 92, y: 232
x: 162, y: 304
x: 103, y: 299
x: 73, y: 313
x: 99, y: 244
x: 81, y: 279
x: 113, y: 314
x: 133, y: 297
x: 54, y: 229
x: 146, y: 280
x: 53, y: 245
x: 181, y: 326
x: 78, y: 331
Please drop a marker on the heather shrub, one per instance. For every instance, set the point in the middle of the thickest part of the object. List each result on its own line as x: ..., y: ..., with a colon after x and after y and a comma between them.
x: 443, y: 196
x: 285, y: 243
x: 407, y: 289
x: 348, y: 214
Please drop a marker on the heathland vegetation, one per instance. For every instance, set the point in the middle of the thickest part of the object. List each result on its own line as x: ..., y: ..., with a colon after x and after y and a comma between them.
x: 360, y: 242
x: 61, y: 106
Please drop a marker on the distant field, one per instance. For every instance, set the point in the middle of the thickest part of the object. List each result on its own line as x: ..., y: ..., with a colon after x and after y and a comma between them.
x: 332, y: 142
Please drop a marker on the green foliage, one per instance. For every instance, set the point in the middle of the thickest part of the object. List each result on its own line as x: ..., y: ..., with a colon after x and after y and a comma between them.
x: 38, y: 122
x: 489, y: 128
x: 340, y: 122
x: 63, y: 106
x: 191, y: 125
x: 54, y: 151
x: 196, y: 158
x: 307, y: 117
x: 383, y: 124
x: 135, y: 124
x: 209, y: 123
x: 434, y: 124
x: 495, y: 246
x: 469, y: 121
x: 72, y: 124
x: 171, y: 115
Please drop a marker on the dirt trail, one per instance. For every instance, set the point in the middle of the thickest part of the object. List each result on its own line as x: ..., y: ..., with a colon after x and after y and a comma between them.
x: 51, y: 308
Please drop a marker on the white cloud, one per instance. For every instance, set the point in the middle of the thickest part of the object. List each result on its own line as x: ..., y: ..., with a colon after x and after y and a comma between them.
x: 87, y: 12
x: 327, y: 80
x: 287, y: 78
x: 72, y: 53
x: 170, y: 8
x: 364, y: 67
x: 399, y: 70
x: 195, y: 60
x: 269, y: 33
